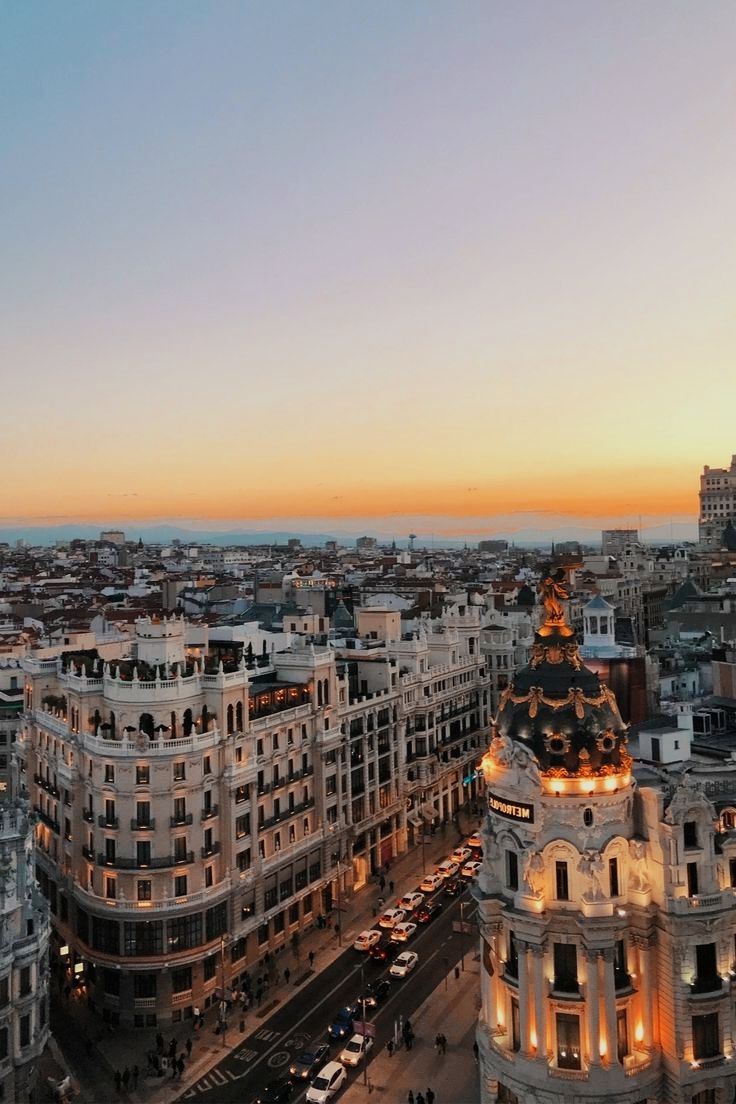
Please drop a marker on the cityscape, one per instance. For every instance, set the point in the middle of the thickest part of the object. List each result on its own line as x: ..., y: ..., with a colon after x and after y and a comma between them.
x: 368, y: 554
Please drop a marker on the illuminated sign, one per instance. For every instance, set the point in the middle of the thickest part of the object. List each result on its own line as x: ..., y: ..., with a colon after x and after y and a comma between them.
x: 514, y: 810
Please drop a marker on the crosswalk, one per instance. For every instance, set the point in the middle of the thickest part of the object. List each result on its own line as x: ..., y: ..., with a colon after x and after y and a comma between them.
x: 266, y: 1036
x: 219, y: 1076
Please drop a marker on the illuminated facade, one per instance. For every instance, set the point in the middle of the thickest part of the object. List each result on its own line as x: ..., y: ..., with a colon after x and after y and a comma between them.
x: 717, y: 503
x: 606, y: 906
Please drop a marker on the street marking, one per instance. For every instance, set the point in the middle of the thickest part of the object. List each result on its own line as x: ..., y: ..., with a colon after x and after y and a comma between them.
x: 267, y: 1036
x: 245, y: 1055
x: 218, y: 1077
x: 280, y: 1058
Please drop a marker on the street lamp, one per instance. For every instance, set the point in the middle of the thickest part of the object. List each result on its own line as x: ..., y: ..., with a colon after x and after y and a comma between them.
x: 222, y: 1016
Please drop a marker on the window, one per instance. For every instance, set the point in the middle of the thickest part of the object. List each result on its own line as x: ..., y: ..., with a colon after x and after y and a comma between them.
x: 208, y: 877
x: 109, y: 772
x: 143, y: 814
x: 25, y: 981
x: 562, y: 885
x: 707, y: 978
x: 241, y: 795
x: 210, y: 967
x: 568, y: 1041
x: 142, y: 938
x: 3, y: 1043
x: 179, y: 772
x: 142, y: 774
x: 512, y: 960
x: 180, y: 885
x: 512, y: 871
x: 105, y: 935
x: 180, y: 849
x: 622, y: 1035
x: 143, y: 853
x: 25, y: 1031
x: 216, y: 921
x: 243, y: 859
x: 4, y: 991
x: 692, y: 879
x: 237, y: 950
x: 566, y: 967
x: 207, y: 765
x: 110, y: 852
x: 515, y: 1032
x: 706, y: 1036
x: 242, y: 826
x: 690, y: 833
x: 110, y: 888
x: 144, y: 890
x: 613, y: 877
x: 144, y: 985
x: 588, y: 817
x: 184, y: 932
x: 181, y: 979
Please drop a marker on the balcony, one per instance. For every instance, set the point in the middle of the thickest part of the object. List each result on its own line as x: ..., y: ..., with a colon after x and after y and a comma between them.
x: 88, y: 815
x: 208, y: 814
x: 88, y: 854
x: 47, y: 820
x: 278, y: 783
x: 181, y: 821
x: 47, y: 786
x: 107, y: 822
x: 159, y: 863
x: 294, y: 810
x: 707, y: 986
x: 213, y: 849
x: 141, y: 826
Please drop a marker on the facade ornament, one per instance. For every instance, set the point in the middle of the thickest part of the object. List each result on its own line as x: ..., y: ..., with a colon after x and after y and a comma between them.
x: 591, y: 867
x: 638, y: 867
x: 533, y: 874
x: 501, y: 750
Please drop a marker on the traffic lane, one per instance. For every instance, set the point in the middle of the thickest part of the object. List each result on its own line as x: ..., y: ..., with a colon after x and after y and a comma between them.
x: 242, y: 1074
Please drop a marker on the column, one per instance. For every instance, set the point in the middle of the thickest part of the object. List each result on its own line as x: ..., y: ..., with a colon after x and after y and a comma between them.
x: 524, y: 1020
x: 645, y: 990
x: 609, y: 1004
x: 593, y: 1003
x: 540, y: 1002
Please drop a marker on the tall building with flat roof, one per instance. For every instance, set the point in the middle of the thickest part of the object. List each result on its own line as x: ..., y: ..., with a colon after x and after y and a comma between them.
x: 717, y: 503
x: 613, y: 541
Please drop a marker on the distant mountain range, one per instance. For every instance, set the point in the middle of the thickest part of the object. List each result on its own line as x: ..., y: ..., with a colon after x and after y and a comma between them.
x: 165, y: 534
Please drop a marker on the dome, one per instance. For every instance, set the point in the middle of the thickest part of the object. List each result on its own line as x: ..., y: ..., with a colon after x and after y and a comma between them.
x: 558, y: 709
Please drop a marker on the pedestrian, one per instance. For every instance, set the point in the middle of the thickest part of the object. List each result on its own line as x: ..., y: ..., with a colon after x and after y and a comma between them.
x: 310, y: 956
x: 287, y: 975
x: 118, y: 1080
x: 391, y: 887
x: 180, y: 1063
x: 390, y: 1048
x: 126, y: 1078
x: 420, y: 1098
x: 381, y: 903
x: 160, y: 1043
x: 188, y: 1045
x: 410, y: 1098
x: 337, y: 930
x: 429, y: 1096
x: 172, y: 1049
x: 475, y: 1052
x: 136, y: 1074
x: 443, y: 1043
x: 259, y: 996
x: 382, y: 883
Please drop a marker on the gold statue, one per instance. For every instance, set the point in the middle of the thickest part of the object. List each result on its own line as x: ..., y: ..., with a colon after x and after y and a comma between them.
x: 554, y: 591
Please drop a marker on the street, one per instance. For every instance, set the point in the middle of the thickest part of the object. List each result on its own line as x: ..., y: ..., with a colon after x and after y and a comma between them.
x: 268, y: 1050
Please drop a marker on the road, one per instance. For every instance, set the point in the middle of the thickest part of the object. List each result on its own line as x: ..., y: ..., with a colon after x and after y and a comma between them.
x: 267, y: 1051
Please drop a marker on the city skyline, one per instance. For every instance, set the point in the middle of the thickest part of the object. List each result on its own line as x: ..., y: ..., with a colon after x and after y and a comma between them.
x: 359, y: 267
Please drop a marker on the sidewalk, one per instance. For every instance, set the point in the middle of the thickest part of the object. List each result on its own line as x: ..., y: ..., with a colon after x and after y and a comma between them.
x: 94, y: 1051
x: 454, y: 1078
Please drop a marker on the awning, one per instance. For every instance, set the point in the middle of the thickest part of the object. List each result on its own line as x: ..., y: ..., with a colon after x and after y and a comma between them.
x: 428, y: 811
x: 415, y: 820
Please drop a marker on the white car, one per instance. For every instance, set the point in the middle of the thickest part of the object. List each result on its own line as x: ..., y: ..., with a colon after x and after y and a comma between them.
x: 471, y: 869
x: 431, y: 882
x: 328, y: 1081
x: 447, y: 869
x: 367, y: 939
x: 411, y: 901
x: 404, y: 964
x: 474, y: 841
x: 356, y: 1050
x: 402, y: 932
x: 461, y: 854
x: 391, y: 918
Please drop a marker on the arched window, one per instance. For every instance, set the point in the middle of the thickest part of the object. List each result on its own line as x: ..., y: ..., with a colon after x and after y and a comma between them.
x: 145, y: 724
x: 112, y: 724
x: 239, y: 716
x: 230, y: 718
x: 187, y: 722
x: 327, y: 691
x: 319, y: 692
x: 172, y: 724
x: 96, y: 721
x: 205, y: 718
x: 588, y: 817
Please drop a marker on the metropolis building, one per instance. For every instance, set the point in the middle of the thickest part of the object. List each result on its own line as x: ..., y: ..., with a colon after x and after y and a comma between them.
x: 606, y: 908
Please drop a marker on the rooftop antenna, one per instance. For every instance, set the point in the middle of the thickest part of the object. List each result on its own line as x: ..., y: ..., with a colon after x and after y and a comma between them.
x: 412, y: 538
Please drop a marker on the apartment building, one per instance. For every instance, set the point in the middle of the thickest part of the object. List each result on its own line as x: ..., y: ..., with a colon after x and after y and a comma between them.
x: 717, y: 504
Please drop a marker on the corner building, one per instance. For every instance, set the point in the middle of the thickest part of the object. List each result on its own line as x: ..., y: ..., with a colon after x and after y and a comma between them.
x: 606, y: 908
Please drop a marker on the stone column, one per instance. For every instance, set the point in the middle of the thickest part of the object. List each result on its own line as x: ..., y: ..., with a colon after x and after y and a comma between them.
x: 645, y: 989
x: 524, y: 1019
x: 609, y: 1003
x: 540, y: 1002
x: 593, y: 1003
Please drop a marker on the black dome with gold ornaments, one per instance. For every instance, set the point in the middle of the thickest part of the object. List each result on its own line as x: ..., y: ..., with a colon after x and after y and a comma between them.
x: 557, y: 707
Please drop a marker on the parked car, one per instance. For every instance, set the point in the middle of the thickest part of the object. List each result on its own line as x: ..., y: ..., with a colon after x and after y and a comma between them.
x: 382, y: 952
x: 276, y: 1092
x: 404, y: 964
x: 327, y: 1083
x: 309, y: 1063
x: 431, y: 882
x: 367, y: 939
x: 474, y: 841
x: 356, y: 1050
x: 391, y: 917
x: 471, y: 869
x: 428, y: 912
x: 403, y: 932
x: 461, y: 854
x: 447, y: 869
x: 376, y: 993
x: 342, y: 1025
x: 454, y: 887
x: 410, y: 901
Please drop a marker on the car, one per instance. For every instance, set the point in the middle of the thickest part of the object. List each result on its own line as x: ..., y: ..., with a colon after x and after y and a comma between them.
x: 327, y: 1083
x: 356, y: 1050
x: 461, y: 854
x: 402, y: 932
x: 404, y: 964
x: 381, y: 952
x: 410, y: 901
x: 342, y: 1025
x: 391, y: 918
x: 454, y: 887
x: 474, y: 841
x: 431, y: 882
x: 309, y: 1063
x: 447, y: 869
x: 376, y: 993
x: 367, y: 939
x: 276, y: 1092
x: 428, y: 912
x: 471, y: 869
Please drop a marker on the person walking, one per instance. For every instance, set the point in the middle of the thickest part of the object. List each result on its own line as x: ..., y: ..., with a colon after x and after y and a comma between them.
x: 390, y: 1048
x: 180, y: 1064
x: 420, y: 1098
x: 310, y: 956
x: 118, y: 1081
x: 475, y: 1052
x: 443, y: 1042
x: 126, y: 1078
x: 438, y: 1043
x: 429, y: 1096
x: 287, y: 975
x: 172, y: 1049
x: 410, y: 1097
x: 160, y: 1042
x: 188, y: 1045
x: 391, y: 887
x: 136, y: 1074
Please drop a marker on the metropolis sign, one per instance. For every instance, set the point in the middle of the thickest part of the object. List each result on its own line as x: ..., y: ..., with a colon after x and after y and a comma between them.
x: 514, y: 810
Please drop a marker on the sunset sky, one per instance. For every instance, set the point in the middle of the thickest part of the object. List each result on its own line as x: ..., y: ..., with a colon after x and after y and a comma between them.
x: 364, y: 262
